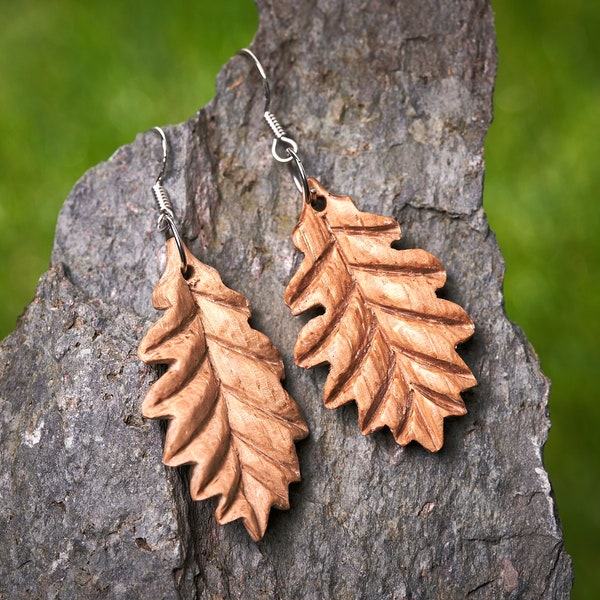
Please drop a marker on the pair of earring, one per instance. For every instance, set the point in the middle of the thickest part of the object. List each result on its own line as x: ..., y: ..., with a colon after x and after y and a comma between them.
x: 389, y: 340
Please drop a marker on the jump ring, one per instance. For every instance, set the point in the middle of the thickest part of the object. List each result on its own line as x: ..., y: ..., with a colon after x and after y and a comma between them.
x: 301, y: 184
x: 289, y: 146
x: 167, y: 217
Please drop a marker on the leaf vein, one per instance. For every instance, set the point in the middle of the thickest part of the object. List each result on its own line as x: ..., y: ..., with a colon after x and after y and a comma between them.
x: 359, y: 358
x: 434, y: 363
x: 195, y: 434
x: 406, y: 270
x: 414, y: 315
x: 382, y: 391
x: 242, y: 400
x: 281, y: 465
x: 333, y: 324
x: 366, y: 230
x: 241, y: 350
x: 439, y: 399
x: 243, y: 308
x: 314, y: 271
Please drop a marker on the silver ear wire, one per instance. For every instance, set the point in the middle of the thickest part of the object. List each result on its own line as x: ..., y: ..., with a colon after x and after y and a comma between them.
x: 270, y: 118
x: 163, y: 138
x: 249, y: 54
x: 166, y: 218
x: 281, y: 140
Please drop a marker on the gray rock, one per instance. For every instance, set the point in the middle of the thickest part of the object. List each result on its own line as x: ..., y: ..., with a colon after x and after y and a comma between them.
x: 390, y: 103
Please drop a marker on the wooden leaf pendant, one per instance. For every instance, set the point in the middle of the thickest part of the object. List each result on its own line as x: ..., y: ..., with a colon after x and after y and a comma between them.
x: 389, y: 339
x: 229, y: 416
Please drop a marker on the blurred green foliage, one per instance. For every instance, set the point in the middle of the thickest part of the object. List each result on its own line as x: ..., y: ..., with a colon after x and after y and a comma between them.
x: 79, y: 79
x: 541, y: 195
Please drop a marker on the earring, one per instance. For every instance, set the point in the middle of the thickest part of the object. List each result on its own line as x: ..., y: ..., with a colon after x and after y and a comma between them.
x: 389, y: 340
x: 229, y: 416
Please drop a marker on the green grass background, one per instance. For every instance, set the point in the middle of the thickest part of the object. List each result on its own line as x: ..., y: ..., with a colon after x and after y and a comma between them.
x: 79, y: 79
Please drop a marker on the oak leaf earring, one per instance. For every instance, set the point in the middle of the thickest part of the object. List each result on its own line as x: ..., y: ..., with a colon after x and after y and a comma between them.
x: 389, y: 340
x: 229, y: 416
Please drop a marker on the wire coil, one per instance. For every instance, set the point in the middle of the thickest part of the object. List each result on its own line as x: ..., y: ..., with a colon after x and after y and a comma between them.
x: 166, y: 217
x: 273, y: 123
x: 162, y: 199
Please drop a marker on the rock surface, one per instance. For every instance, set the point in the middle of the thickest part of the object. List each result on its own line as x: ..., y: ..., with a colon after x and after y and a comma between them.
x: 390, y: 103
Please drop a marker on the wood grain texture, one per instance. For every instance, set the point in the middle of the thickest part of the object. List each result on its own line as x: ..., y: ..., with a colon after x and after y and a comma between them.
x: 229, y: 416
x: 389, y: 339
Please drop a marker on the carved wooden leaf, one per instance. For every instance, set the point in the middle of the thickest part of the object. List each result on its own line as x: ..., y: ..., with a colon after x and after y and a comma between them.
x: 389, y: 339
x: 229, y: 416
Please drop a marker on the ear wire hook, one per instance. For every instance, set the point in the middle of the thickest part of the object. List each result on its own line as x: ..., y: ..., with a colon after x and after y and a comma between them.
x: 161, y: 175
x: 166, y: 218
x: 248, y: 53
x: 281, y: 139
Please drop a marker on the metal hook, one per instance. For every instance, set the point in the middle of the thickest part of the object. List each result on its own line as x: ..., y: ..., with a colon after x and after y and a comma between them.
x: 248, y: 53
x: 166, y: 218
x: 281, y: 141
x: 163, y: 137
x: 177, y: 238
x: 299, y: 176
